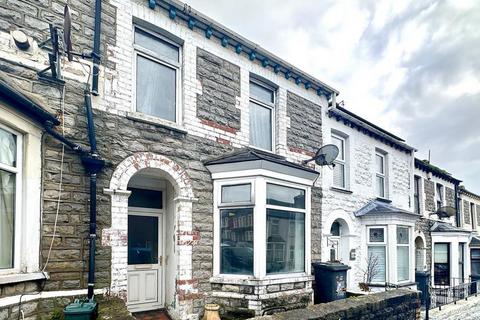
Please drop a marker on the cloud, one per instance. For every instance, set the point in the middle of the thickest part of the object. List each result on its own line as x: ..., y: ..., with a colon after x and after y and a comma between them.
x: 411, y: 66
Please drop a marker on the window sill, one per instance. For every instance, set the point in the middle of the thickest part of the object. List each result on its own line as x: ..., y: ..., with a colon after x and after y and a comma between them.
x: 141, y: 117
x: 342, y: 190
x: 384, y: 200
x: 400, y: 285
x: 267, y: 280
x: 23, y: 277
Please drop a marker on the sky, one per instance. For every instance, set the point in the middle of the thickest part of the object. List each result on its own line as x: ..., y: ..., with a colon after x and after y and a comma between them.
x: 410, y: 66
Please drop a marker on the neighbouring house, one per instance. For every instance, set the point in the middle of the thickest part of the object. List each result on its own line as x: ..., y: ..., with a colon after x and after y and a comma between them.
x: 366, y: 205
x: 469, y: 209
x: 203, y: 198
x: 441, y: 245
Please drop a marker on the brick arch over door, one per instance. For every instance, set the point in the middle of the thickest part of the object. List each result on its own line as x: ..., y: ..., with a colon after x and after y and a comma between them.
x: 117, y: 235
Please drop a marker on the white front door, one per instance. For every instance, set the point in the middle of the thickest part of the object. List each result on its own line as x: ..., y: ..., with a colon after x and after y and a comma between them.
x: 144, y: 276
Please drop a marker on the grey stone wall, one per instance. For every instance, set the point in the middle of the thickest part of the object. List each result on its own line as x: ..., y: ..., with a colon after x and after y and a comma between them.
x: 316, y: 216
x: 305, y: 132
x: 477, y: 209
x: 466, y: 212
x: 220, y: 81
x: 424, y: 225
x: 390, y: 305
x: 429, y: 188
x: 450, y: 197
x: 33, y: 17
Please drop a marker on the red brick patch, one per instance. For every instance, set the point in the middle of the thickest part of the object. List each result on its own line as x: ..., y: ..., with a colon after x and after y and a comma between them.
x: 218, y: 126
x: 301, y: 151
x: 223, y: 141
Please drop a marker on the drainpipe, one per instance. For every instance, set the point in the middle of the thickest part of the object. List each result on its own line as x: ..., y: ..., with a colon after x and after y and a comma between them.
x: 457, y: 199
x: 96, y: 46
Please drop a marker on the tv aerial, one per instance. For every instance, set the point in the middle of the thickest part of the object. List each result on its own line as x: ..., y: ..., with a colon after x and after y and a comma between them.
x: 325, y: 155
x: 445, y: 212
x: 58, y: 48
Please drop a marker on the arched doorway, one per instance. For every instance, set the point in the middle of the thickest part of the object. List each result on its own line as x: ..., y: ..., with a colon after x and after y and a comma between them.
x: 338, y: 241
x: 420, y: 254
x: 151, y: 231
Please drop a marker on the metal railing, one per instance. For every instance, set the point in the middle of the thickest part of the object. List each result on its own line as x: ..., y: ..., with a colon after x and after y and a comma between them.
x: 441, y: 295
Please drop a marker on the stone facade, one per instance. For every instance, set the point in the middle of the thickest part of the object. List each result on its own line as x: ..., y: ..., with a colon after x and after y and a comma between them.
x: 466, y: 212
x: 429, y: 188
x: 450, y: 197
x: 305, y: 131
x: 220, y: 79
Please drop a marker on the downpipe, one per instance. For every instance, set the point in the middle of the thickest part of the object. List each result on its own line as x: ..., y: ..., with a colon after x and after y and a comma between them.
x: 96, y: 46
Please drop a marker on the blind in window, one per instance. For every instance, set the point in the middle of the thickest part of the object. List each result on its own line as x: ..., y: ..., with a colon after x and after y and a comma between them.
x: 402, y: 263
x: 378, y: 257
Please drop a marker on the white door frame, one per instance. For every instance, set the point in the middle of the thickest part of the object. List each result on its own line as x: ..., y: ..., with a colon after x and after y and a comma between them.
x: 160, y: 214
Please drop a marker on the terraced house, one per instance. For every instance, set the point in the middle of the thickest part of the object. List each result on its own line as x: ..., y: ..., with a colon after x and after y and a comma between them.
x: 177, y: 158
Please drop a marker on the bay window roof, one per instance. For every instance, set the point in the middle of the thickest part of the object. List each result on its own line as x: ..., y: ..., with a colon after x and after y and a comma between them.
x: 377, y: 207
x: 249, y: 159
x: 446, y: 227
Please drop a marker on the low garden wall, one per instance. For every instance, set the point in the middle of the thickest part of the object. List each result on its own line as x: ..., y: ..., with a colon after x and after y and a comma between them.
x: 395, y: 304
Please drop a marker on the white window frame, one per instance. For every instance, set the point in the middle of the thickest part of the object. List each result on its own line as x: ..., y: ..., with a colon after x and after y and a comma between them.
x: 28, y: 188
x: 344, y: 162
x: 473, y: 215
x: 259, y: 199
x: 420, y: 188
x: 270, y: 106
x: 383, y: 175
x: 150, y: 55
x: 379, y: 244
x: 408, y: 245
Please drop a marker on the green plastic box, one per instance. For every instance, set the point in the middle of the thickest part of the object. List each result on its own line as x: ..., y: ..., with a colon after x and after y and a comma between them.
x: 81, y: 310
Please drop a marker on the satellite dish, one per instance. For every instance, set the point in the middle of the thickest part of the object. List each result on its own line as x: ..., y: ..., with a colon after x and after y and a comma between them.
x: 445, y: 212
x: 67, y: 32
x: 325, y: 155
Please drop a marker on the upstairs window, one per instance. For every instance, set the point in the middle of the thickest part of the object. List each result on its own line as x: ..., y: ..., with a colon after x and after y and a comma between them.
x: 340, y: 169
x: 157, y: 72
x: 10, y: 171
x: 473, y: 215
x: 416, y: 194
x: 262, y: 107
x: 439, y: 195
x: 380, y: 175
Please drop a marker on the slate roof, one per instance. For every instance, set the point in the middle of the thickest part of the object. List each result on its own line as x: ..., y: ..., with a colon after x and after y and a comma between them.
x: 424, y: 165
x: 378, y: 207
x: 23, y: 101
x: 352, y: 120
x: 446, y: 227
x: 249, y: 154
x: 475, y: 242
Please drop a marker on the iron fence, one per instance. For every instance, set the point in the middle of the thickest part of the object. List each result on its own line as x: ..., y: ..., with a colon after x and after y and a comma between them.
x: 441, y: 295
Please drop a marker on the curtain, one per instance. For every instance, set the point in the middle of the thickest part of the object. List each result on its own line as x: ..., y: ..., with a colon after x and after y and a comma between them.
x: 7, y: 199
x: 260, y: 126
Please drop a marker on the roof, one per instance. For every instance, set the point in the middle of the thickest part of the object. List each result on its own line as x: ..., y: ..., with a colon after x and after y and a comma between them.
x: 23, y: 101
x: 445, y: 227
x: 352, y: 120
x: 475, y: 242
x: 378, y: 207
x: 241, y: 45
x: 462, y: 190
x: 424, y: 165
x: 250, y: 154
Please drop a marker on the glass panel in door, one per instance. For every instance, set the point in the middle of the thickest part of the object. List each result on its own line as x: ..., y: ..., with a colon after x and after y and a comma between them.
x: 142, y: 240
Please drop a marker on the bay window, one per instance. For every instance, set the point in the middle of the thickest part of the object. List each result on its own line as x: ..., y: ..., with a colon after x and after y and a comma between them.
x: 403, y: 253
x: 262, y: 107
x: 441, y: 264
x: 377, y: 253
x: 157, y: 63
x: 461, y: 261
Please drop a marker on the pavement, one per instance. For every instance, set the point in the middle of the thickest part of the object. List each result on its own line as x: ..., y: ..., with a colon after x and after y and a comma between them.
x: 463, y: 310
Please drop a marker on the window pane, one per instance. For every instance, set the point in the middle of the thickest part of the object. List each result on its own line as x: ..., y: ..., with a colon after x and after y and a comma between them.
x: 236, y: 242
x: 380, y: 163
x: 402, y: 235
x: 380, y: 186
x: 339, y: 175
x: 285, y: 196
x: 340, y: 145
x: 441, y: 253
x: 236, y: 193
x: 144, y: 198
x: 156, y: 45
x: 335, y: 229
x: 285, y: 241
x: 156, y: 89
x: 7, y: 218
x: 377, y: 235
x: 403, y: 263
x: 376, y: 258
x: 260, y: 126
x: 8, y: 148
x: 261, y: 93
x: 142, y: 240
